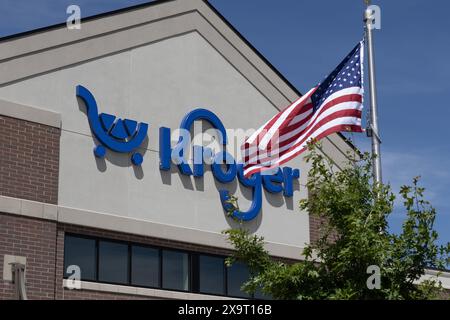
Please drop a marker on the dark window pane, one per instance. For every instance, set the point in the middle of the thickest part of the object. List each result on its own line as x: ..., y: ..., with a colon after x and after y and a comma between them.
x: 80, y: 252
x: 144, y: 266
x: 237, y: 275
x: 212, y: 275
x: 112, y: 262
x: 175, y: 270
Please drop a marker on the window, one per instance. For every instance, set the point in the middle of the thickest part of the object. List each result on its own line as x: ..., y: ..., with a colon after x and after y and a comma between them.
x: 237, y: 275
x: 119, y: 262
x: 145, y: 266
x: 175, y: 270
x: 211, y: 274
x: 81, y: 252
x: 113, y: 262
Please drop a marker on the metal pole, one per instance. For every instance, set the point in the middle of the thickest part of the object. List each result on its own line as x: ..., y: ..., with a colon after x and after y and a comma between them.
x: 18, y: 270
x: 373, y: 129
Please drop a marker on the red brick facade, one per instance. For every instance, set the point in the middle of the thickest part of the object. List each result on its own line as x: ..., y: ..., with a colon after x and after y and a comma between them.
x: 29, y: 167
x: 42, y: 243
x: 316, y: 229
x: 34, y: 239
x: 29, y: 160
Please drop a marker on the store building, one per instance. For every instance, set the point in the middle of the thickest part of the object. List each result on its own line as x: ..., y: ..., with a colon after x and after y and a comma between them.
x: 133, y: 225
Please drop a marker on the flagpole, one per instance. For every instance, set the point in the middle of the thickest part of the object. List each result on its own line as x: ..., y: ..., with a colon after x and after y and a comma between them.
x: 372, y: 131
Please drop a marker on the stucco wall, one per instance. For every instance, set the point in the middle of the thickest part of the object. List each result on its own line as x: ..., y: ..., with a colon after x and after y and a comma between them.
x: 158, y: 83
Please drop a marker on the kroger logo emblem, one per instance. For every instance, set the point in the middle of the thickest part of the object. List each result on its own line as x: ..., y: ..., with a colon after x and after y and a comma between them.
x: 191, y: 158
x: 119, y: 135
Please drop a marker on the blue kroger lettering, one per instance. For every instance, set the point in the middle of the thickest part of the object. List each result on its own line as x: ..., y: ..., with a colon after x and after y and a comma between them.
x: 127, y: 135
x: 253, y: 182
x: 280, y: 181
x: 118, y: 135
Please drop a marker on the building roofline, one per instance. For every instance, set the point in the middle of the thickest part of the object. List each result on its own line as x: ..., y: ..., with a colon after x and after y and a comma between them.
x: 157, y: 2
x: 149, y: 4
x: 260, y: 55
x: 83, y: 19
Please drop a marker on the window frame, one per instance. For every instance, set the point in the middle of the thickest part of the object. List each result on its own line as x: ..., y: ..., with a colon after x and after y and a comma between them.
x: 189, y: 254
x: 127, y: 283
x: 225, y: 274
x: 250, y: 297
x: 193, y: 265
x: 87, y: 237
x: 159, y: 249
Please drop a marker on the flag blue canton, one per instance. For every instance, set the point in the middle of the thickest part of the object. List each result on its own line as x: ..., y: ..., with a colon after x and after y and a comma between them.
x: 347, y: 74
x: 334, y: 105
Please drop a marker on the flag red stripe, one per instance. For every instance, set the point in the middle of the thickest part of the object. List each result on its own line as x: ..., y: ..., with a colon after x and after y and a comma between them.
x: 341, y: 99
x: 331, y: 103
x: 272, y: 122
x: 338, y: 128
x: 318, y: 125
x: 348, y: 112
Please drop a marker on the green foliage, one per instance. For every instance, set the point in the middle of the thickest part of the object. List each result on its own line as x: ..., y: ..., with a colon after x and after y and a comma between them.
x: 355, y: 236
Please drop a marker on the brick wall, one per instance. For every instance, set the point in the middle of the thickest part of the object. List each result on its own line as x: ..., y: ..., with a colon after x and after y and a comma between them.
x: 316, y: 227
x: 29, y: 160
x: 42, y: 243
x: 59, y: 264
x: 34, y: 239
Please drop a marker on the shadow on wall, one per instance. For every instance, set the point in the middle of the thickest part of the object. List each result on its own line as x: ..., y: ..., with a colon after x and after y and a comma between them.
x: 190, y: 182
x: 116, y: 158
x: 197, y: 184
x: 278, y: 199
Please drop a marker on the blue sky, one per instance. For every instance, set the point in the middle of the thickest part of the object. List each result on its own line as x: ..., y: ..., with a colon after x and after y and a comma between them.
x: 305, y: 40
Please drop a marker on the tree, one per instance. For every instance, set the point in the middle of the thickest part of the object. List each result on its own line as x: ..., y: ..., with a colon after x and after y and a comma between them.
x: 354, y: 236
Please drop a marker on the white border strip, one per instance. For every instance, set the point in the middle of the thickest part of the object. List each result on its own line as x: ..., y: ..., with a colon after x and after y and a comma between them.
x: 146, y: 292
x: 440, y: 276
x: 28, y: 113
x: 103, y: 221
x: 116, y: 223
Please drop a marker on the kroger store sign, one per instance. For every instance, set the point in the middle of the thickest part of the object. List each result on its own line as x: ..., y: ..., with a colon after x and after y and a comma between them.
x: 126, y: 136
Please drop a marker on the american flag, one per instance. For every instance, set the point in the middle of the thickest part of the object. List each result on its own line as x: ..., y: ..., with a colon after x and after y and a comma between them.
x: 333, y: 105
